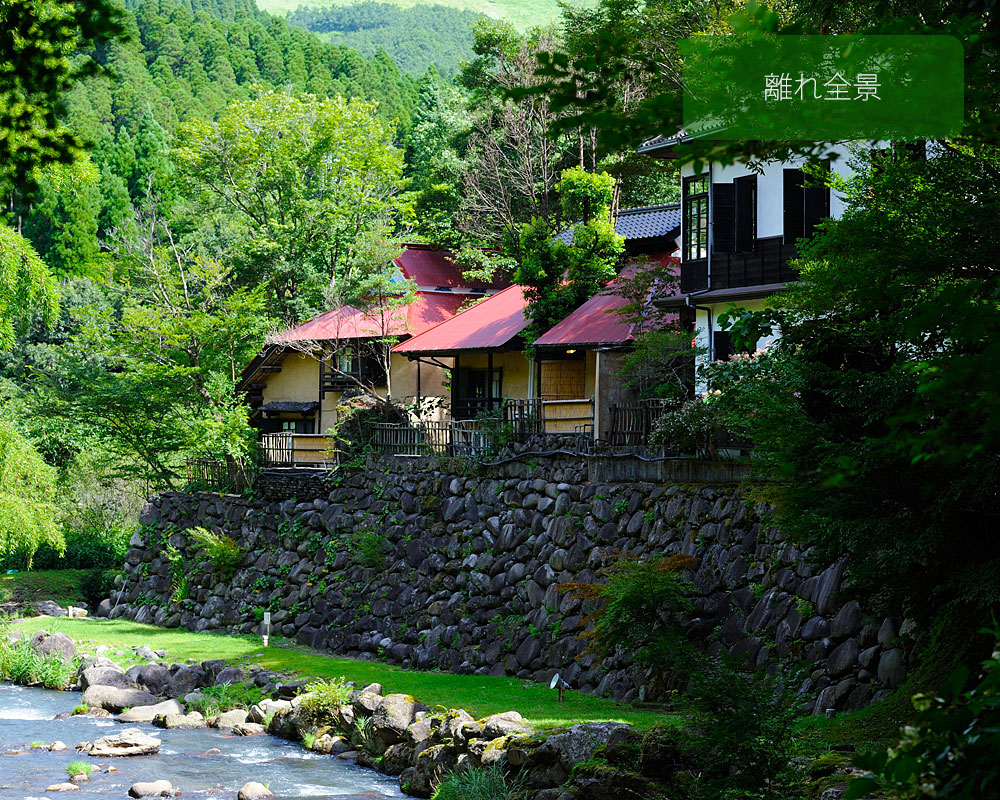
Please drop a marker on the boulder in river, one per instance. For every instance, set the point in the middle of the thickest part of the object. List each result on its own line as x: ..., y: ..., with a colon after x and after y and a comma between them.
x: 65, y: 786
x: 159, y: 788
x: 149, y: 713
x: 254, y: 791
x: 127, y: 743
x: 115, y: 700
x: 248, y: 729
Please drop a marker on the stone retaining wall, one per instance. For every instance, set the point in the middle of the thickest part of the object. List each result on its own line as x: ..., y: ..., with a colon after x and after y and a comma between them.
x: 434, y: 569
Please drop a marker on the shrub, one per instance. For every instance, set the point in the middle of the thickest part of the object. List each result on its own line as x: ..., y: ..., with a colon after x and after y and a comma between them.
x: 951, y: 748
x: 225, y: 555
x: 83, y: 708
x: 225, y: 697
x: 478, y: 783
x: 369, y: 548
x: 740, y: 726
x: 97, y: 584
x: 698, y: 428
x: 19, y: 663
x: 323, y: 700
x: 79, y: 768
x: 639, y: 608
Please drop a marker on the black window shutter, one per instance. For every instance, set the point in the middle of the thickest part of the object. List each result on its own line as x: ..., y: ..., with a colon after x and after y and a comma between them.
x: 722, y: 346
x: 746, y: 213
x: 792, y: 199
x: 723, y: 222
x: 815, y: 206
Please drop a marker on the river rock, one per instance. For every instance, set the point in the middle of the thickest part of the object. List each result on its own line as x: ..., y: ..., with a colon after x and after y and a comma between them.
x: 154, y: 678
x: 185, y: 681
x: 57, y: 747
x: 58, y: 644
x: 259, y: 712
x: 149, y: 713
x: 248, y: 729
x: 505, y: 724
x: 65, y: 786
x: 228, y: 719
x: 393, y: 716
x: 229, y: 675
x: 180, y: 721
x: 579, y: 743
x: 253, y: 791
x: 104, y: 676
x: 115, y: 700
x: 49, y: 608
x: 159, y: 788
x: 127, y: 743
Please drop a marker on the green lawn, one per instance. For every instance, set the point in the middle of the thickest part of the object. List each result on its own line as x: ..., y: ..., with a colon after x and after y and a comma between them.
x: 61, y: 585
x: 478, y: 695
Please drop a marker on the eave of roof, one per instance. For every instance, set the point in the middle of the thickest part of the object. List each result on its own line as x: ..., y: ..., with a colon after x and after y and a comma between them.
x: 720, y: 295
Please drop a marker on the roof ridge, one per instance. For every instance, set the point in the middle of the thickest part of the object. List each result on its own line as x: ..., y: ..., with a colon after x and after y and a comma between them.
x: 641, y: 209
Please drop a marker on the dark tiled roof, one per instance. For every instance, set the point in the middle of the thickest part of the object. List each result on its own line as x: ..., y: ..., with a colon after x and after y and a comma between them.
x: 642, y: 223
x: 290, y: 406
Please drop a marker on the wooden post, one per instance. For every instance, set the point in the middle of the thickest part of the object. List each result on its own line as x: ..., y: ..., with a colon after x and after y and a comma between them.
x: 489, y: 381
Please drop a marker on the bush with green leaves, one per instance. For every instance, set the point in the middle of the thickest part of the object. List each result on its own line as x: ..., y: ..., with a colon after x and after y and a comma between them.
x: 369, y: 547
x: 479, y: 783
x: 19, y: 663
x: 739, y: 726
x: 215, y: 700
x: 638, y: 607
x: 97, y: 584
x: 697, y: 428
x: 223, y: 551
x: 952, y: 747
x: 323, y: 700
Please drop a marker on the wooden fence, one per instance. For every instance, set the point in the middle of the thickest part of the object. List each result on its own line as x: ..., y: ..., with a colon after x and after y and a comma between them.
x: 632, y: 424
x: 290, y: 449
x: 231, y: 475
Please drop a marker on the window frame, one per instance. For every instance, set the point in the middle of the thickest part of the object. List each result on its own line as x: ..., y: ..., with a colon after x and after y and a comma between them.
x: 696, y: 210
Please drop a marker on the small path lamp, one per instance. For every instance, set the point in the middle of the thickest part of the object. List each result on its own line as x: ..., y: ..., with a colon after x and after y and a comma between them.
x: 558, y: 683
x: 266, y: 627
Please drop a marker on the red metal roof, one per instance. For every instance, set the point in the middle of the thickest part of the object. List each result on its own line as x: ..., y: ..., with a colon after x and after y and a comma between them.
x: 347, y: 322
x: 595, y: 322
x: 430, y: 268
x: 489, y: 325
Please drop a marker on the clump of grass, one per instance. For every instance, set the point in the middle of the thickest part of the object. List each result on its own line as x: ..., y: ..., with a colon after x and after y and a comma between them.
x: 363, y: 735
x: 79, y: 768
x: 19, y: 663
x: 83, y: 708
x: 478, y: 783
x: 308, y: 740
x: 217, y: 699
x: 38, y: 744
x: 323, y: 700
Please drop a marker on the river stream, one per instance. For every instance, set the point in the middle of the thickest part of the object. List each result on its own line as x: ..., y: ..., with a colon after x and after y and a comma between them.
x: 27, y: 715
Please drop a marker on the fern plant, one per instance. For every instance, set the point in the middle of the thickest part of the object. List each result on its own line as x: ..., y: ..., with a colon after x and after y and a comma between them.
x: 223, y: 551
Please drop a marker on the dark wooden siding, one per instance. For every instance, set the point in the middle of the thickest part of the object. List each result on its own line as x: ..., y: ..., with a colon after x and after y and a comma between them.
x: 768, y: 263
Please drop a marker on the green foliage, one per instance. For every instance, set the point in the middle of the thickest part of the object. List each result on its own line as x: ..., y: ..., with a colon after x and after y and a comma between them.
x: 25, y: 285
x: 223, y: 551
x: 19, y: 663
x: 82, y: 708
x: 97, y: 585
x: 79, y: 768
x: 370, y: 547
x: 876, y: 410
x: 300, y: 179
x: 225, y: 697
x: 739, y: 727
x: 44, y: 50
x: 308, y: 740
x: 479, y: 783
x: 414, y: 37
x: 27, y: 488
x: 638, y: 609
x: 950, y: 749
x: 560, y: 277
x: 322, y: 700
x: 698, y: 427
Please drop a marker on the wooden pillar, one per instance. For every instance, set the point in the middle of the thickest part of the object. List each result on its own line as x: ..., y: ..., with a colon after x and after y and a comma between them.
x: 418, y: 384
x: 489, y: 381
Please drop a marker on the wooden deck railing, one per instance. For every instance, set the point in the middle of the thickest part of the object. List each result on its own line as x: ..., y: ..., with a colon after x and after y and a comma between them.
x: 291, y: 449
x: 632, y: 424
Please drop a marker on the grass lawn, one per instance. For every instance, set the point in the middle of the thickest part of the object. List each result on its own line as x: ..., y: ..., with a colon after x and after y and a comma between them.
x: 61, y: 585
x: 479, y: 695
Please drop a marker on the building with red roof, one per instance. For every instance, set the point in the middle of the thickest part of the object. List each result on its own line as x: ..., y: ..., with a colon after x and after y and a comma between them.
x: 296, y: 381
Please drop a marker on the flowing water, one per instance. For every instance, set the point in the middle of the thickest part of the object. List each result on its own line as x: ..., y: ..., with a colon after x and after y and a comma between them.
x: 27, y: 715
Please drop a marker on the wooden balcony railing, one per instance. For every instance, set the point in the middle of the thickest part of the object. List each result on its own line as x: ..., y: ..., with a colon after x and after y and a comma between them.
x: 297, y: 449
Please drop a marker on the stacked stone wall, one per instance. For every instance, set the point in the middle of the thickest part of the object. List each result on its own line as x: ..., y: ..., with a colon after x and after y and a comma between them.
x: 431, y: 568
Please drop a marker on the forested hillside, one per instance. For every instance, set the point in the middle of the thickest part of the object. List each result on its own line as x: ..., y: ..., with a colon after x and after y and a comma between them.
x: 414, y: 37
